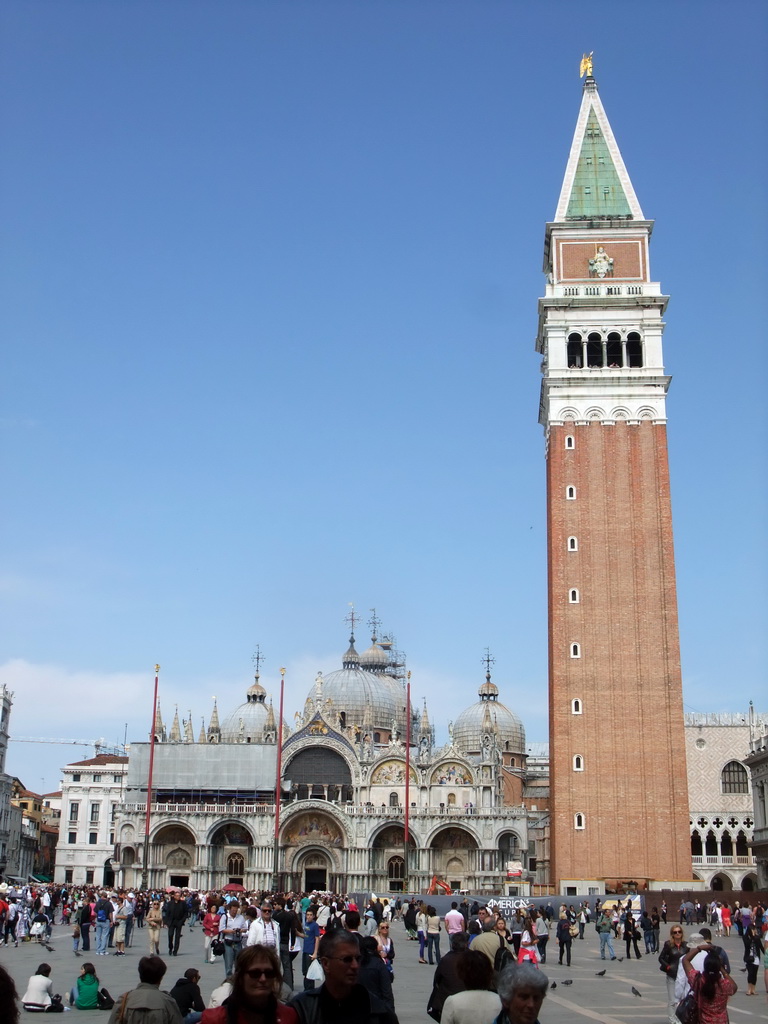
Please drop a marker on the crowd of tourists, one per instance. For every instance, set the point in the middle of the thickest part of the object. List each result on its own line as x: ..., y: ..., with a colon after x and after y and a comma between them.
x: 318, y: 957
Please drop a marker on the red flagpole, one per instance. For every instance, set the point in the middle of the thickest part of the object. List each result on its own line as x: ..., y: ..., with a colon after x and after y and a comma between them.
x: 145, y: 867
x: 278, y: 794
x: 406, y: 835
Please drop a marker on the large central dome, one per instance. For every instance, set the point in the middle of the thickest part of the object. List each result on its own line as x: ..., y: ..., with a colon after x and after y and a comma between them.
x: 362, y: 697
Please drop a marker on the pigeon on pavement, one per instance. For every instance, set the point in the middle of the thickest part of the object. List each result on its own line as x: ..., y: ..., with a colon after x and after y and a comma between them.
x: 599, y: 974
x: 636, y: 993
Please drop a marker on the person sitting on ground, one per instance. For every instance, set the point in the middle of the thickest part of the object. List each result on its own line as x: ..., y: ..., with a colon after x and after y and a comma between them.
x: 85, y: 992
x: 254, y: 999
x: 158, y: 1006
x: 39, y: 994
x: 341, y: 998
x: 187, y: 994
x: 477, y: 1004
x: 521, y: 988
x: 224, y: 991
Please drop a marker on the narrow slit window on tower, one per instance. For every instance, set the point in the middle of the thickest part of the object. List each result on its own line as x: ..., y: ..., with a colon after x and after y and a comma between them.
x: 575, y: 352
x: 570, y: 441
x: 576, y: 706
x: 570, y: 492
x: 575, y: 650
x: 578, y: 820
x: 573, y: 596
x: 578, y: 763
x: 573, y: 544
x: 634, y: 349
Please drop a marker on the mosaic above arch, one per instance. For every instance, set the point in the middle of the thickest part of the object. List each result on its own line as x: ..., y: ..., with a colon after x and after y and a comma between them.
x: 451, y: 774
x: 392, y: 773
x: 309, y: 827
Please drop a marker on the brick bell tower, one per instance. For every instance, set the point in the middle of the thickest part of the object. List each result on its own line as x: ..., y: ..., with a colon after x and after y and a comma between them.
x: 617, y: 753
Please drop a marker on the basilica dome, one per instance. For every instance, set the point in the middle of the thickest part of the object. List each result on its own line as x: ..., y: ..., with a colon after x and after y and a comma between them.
x: 488, y: 713
x: 251, y: 722
x: 357, y: 696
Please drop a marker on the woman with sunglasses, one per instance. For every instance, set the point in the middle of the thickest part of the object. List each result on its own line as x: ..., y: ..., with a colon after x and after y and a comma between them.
x: 673, y: 950
x: 256, y: 986
x: 386, y: 945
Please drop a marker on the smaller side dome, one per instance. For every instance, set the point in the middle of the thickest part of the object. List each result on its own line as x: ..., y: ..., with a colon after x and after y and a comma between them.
x: 374, y: 659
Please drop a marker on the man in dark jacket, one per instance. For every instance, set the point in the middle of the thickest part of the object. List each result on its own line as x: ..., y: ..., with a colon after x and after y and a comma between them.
x: 446, y: 981
x: 341, y: 999
x: 186, y: 992
x: 174, y: 916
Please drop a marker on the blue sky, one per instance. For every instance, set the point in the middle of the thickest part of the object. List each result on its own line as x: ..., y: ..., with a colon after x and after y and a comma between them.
x: 269, y: 291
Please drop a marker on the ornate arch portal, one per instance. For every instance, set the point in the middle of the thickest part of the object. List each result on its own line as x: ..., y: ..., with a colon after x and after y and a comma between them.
x: 454, y: 856
x: 313, y: 841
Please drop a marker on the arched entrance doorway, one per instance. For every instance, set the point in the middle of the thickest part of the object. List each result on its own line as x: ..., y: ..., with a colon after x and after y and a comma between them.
x: 454, y: 857
x: 386, y: 862
x: 311, y: 839
x: 314, y: 869
x: 173, y: 853
x: 230, y: 852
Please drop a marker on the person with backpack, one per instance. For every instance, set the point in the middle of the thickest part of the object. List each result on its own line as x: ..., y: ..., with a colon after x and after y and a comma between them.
x: 494, y: 946
x: 104, y: 914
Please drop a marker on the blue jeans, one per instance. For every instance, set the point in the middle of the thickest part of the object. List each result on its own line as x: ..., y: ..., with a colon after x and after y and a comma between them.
x: 606, y: 942
x: 231, y: 949
x: 102, y: 936
x: 433, y: 942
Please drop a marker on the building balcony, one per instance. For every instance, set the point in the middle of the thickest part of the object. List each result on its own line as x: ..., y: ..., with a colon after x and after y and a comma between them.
x: 723, y: 862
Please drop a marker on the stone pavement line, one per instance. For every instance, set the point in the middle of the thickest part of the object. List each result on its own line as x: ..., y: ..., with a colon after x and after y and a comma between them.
x: 575, y: 1008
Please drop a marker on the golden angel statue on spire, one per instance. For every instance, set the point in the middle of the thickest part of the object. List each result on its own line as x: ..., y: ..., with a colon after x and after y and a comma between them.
x: 586, y: 65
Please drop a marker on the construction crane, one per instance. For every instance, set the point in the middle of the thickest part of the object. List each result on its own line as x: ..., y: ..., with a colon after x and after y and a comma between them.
x: 99, y: 746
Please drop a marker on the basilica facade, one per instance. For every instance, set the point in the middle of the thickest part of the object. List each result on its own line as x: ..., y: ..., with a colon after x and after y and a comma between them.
x: 477, y: 813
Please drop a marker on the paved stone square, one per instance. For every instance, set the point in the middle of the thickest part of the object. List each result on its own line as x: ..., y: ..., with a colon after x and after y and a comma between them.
x: 608, y: 999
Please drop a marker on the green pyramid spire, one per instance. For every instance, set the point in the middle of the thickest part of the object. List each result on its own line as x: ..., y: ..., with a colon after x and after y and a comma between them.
x: 596, y: 183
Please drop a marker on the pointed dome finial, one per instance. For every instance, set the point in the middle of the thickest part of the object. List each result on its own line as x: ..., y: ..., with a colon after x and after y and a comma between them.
x: 488, y: 690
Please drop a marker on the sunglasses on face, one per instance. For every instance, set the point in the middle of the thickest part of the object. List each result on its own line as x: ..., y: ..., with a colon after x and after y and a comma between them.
x: 261, y: 972
x: 345, y: 959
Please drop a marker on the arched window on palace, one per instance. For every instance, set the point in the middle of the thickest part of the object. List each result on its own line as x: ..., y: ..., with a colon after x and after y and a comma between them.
x: 578, y: 820
x: 235, y: 865
x: 575, y: 706
x: 734, y: 778
x: 573, y: 544
x: 578, y: 763
x: 394, y: 800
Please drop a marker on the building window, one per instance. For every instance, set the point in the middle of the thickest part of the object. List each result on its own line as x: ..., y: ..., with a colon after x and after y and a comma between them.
x: 578, y: 763
x: 570, y: 441
x: 393, y: 800
x: 95, y: 812
x: 734, y: 778
x: 570, y: 493
x: 74, y: 811
x: 111, y: 838
x: 68, y: 875
x: 72, y: 837
x: 113, y: 813
x: 93, y: 838
x: 578, y: 820
x: 634, y: 349
x: 76, y: 777
x: 89, y: 876
x: 575, y: 352
x: 573, y: 596
x: 575, y: 706
x: 117, y: 778
x: 573, y: 544
x: 236, y: 864
x: 97, y: 778
x: 575, y: 650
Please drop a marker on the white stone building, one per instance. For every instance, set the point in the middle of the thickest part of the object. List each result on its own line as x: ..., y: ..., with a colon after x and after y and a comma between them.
x: 91, y: 793
x: 720, y: 798
x: 343, y: 786
x: 757, y: 762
